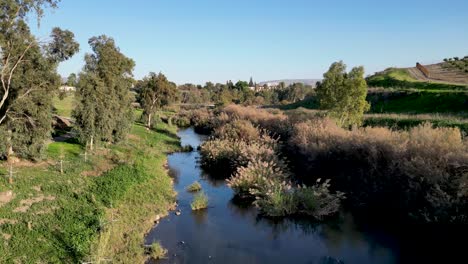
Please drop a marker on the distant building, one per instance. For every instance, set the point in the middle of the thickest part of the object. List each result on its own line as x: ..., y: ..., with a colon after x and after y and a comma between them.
x: 67, y: 88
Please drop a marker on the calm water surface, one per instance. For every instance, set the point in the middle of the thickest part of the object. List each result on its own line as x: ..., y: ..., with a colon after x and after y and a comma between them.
x: 227, y: 232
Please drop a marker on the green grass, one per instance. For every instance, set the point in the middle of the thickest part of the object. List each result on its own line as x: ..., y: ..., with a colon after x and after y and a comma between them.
x: 400, y: 78
x: 200, y: 201
x: 73, y: 217
x: 402, y: 121
x: 420, y: 102
x: 194, y: 187
x: 64, y: 107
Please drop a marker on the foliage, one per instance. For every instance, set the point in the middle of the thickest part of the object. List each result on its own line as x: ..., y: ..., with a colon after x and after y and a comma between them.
x: 156, y: 251
x: 155, y: 92
x: 416, y: 172
x: 103, y: 102
x: 344, y: 94
x: 200, y: 201
x: 194, y: 187
x: 29, y: 78
x: 254, y: 177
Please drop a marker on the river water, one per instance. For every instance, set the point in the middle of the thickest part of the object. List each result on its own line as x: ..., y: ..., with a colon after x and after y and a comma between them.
x: 228, y: 232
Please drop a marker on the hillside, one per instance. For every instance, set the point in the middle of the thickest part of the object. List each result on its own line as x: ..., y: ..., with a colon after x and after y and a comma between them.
x: 441, y: 72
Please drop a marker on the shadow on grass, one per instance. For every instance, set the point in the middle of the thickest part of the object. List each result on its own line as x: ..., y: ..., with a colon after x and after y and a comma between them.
x: 167, y: 133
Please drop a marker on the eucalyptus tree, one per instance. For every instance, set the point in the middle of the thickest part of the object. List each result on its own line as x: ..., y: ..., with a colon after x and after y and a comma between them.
x: 344, y: 94
x: 28, y: 76
x: 156, y: 91
x: 103, y: 111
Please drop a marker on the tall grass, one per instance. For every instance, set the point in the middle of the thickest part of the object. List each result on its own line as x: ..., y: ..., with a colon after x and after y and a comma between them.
x: 421, y: 171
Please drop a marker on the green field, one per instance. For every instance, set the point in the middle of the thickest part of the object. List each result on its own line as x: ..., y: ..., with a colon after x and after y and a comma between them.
x: 64, y: 107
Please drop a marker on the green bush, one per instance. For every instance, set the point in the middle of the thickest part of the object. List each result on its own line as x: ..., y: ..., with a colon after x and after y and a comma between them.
x: 156, y: 251
x: 194, y: 187
x: 200, y: 201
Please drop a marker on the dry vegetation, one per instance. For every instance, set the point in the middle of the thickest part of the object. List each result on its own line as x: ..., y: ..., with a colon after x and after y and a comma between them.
x: 421, y: 172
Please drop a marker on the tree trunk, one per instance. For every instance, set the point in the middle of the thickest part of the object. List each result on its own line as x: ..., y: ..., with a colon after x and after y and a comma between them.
x: 91, y: 143
x: 10, y: 151
x: 148, y: 127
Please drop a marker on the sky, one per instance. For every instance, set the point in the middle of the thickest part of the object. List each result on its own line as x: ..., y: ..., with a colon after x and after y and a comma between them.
x: 195, y: 41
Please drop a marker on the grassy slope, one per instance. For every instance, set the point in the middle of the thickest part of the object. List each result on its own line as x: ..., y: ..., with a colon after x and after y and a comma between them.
x: 400, y: 78
x: 64, y: 107
x: 69, y: 218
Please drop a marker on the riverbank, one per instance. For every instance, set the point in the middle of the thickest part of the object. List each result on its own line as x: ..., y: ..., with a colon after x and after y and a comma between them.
x: 98, y: 210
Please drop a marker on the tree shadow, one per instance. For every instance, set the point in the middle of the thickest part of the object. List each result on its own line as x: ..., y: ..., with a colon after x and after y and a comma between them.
x: 166, y: 133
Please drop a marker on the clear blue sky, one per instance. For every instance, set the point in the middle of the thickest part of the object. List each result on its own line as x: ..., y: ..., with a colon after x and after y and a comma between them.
x: 218, y: 40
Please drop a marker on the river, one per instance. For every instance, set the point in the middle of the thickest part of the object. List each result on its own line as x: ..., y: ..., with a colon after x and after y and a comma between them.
x: 228, y: 232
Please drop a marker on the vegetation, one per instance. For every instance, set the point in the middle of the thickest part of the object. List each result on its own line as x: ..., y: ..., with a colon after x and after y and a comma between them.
x: 243, y: 93
x: 29, y: 78
x: 81, y: 215
x: 344, y: 94
x: 194, y: 187
x: 400, y: 78
x: 155, y: 91
x: 416, y: 173
x: 156, y: 251
x: 200, y: 201
x: 103, y: 103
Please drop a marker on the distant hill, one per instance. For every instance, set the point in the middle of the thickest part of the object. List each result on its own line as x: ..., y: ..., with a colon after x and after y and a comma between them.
x: 291, y: 81
x: 450, y: 74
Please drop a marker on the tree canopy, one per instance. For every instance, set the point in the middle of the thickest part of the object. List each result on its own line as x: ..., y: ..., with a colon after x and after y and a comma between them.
x: 28, y: 73
x: 103, y: 111
x: 344, y: 94
x: 156, y: 91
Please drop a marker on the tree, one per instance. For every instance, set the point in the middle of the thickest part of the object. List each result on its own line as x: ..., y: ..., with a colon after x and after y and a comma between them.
x: 103, y: 111
x: 28, y: 76
x: 72, y: 80
x: 156, y: 91
x: 344, y: 94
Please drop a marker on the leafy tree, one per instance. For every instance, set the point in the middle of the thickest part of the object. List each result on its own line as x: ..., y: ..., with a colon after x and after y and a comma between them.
x: 72, y: 80
x: 28, y: 73
x: 156, y: 91
x: 344, y: 94
x: 103, y: 111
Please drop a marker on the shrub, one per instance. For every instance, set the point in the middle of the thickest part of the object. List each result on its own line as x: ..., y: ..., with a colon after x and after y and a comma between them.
x: 420, y: 170
x: 254, y: 177
x: 318, y: 201
x: 268, y: 120
x: 194, y: 187
x: 237, y: 130
x: 225, y: 155
x: 200, y: 201
x: 156, y: 251
x: 276, y: 199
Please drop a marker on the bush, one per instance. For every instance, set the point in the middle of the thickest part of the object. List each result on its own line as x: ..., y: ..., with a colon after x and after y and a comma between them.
x: 237, y: 130
x: 200, y: 201
x: 225, y: 156
x: 156, y: 251
x: 255, y: 176
x: 421, y: 171
x: 318, y: 201
x: 277, y: 199
x: 194, y: 187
